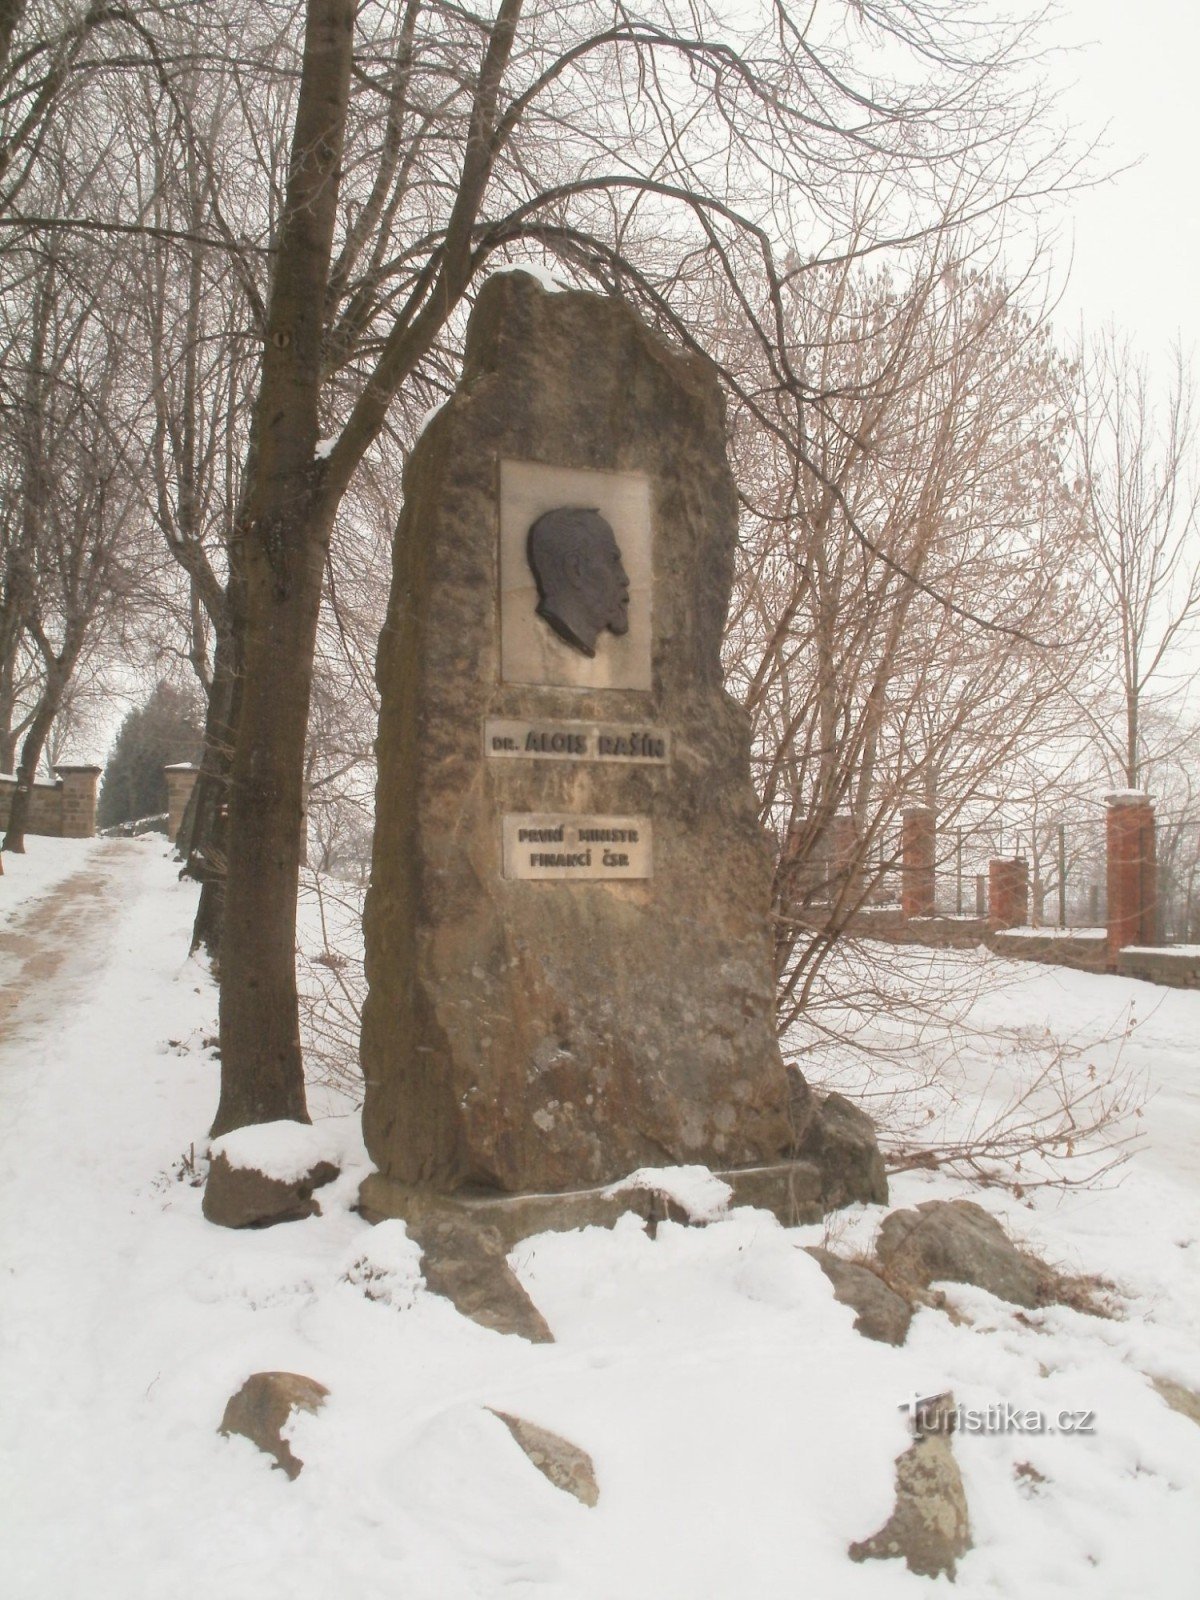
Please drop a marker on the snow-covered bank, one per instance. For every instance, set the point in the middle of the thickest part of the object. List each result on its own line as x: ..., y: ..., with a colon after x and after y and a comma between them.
x: 743, y: 1434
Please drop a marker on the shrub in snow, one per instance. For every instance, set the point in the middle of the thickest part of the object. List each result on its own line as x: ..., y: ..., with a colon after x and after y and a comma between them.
x: 387, y: 1267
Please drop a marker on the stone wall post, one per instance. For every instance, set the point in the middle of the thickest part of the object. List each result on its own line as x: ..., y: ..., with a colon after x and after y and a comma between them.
x: 181, y: 780
x: 1008, y: 892
x: 79, y: 786
x: 1132, y: 867
x: 918, y: 854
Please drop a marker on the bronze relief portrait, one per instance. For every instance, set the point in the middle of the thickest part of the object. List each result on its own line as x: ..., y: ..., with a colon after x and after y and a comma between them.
x: 582, y: 584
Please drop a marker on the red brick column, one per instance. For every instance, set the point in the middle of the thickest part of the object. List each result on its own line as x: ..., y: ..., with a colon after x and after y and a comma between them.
x: 1132, y: 892
x: 1008, y: 892
x: 918, y: 853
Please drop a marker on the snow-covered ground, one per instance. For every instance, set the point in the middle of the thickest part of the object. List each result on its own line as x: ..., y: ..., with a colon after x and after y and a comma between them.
x: 45, y: 864
x: 743, y: 1434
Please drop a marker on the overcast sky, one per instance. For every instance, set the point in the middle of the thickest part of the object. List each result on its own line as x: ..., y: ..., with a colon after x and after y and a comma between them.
x: 1137, y: 239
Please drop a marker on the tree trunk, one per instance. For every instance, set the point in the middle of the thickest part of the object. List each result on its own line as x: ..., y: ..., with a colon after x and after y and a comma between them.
x: 31, y: 753
x: 1131, y: 739
x: 202, y: 835
x: 11, y: 12
x: 262, y: 1075
x: 10, y: 639
x: 8, y: 735
x: 282, y: 543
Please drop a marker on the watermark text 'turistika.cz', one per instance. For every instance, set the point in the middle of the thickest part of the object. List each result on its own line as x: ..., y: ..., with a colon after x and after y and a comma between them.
x: 934, y: 1414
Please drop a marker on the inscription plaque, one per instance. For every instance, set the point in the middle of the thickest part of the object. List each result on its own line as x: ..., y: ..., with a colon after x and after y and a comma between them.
x: 576, y: 741
x: 557, y: 847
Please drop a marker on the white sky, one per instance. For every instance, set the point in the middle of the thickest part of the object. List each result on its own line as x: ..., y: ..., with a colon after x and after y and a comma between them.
x: 1134, y: 69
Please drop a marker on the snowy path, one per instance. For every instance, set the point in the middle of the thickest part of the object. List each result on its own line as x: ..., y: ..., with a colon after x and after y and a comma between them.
x: 743, y: 1433
x: 61, y: 929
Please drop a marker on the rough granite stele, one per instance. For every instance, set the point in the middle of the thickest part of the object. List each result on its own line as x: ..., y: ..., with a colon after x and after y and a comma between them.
x: 532, y: 1034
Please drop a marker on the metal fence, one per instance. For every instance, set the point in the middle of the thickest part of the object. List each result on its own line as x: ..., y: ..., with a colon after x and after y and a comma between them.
x: 1067, y: 868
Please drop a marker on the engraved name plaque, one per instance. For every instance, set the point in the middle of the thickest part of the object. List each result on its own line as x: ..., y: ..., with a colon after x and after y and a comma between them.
x: 576, y: 741
x: 559, y: 847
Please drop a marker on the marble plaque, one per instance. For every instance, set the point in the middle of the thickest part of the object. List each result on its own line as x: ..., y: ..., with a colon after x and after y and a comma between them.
x: 530, y: 650
x: 560, y: 848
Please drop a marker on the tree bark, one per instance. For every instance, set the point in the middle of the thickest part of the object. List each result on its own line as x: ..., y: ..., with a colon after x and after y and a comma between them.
x: 11, y: 12
x: 8, y: 703
x: 31, y: 753
x: 282, y: 542
x: 202, y: 835
x: 1131, y: 737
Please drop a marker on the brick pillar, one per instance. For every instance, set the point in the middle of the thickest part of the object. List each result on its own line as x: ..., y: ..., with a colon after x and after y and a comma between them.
x: 981, y: 888
x: 1008, y: 892
x: 79, y: 786
x: 1132, y: 892
x: 918, y: 853
x: 181, y: 780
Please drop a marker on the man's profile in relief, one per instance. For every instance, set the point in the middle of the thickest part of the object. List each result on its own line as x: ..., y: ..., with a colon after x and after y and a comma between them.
x: 582, y: 584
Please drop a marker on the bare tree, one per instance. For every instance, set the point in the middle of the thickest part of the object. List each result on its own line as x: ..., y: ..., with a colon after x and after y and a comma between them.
x: 598, y: 140
x: 1138, y: 466
x: 905, y: 623
x: 664, y: 155
x: 71, y: 567
x: 18, y: 661
x: 201, y: 305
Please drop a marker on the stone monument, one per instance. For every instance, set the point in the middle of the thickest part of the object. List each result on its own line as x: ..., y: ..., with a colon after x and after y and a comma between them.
x: 567, y: 944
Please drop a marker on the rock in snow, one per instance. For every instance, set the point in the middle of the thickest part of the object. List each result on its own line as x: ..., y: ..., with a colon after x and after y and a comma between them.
x: 1185, y: 1401
x: 466, y: 1262
x: 260, y: 1410
x: 882, y: 1313
x: 567, y: 1466
x: 267, y: 1173
x: 959, y: 1241
x: 285, y: 1150
x: 930, y: 1527
x: 840, y: 1140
